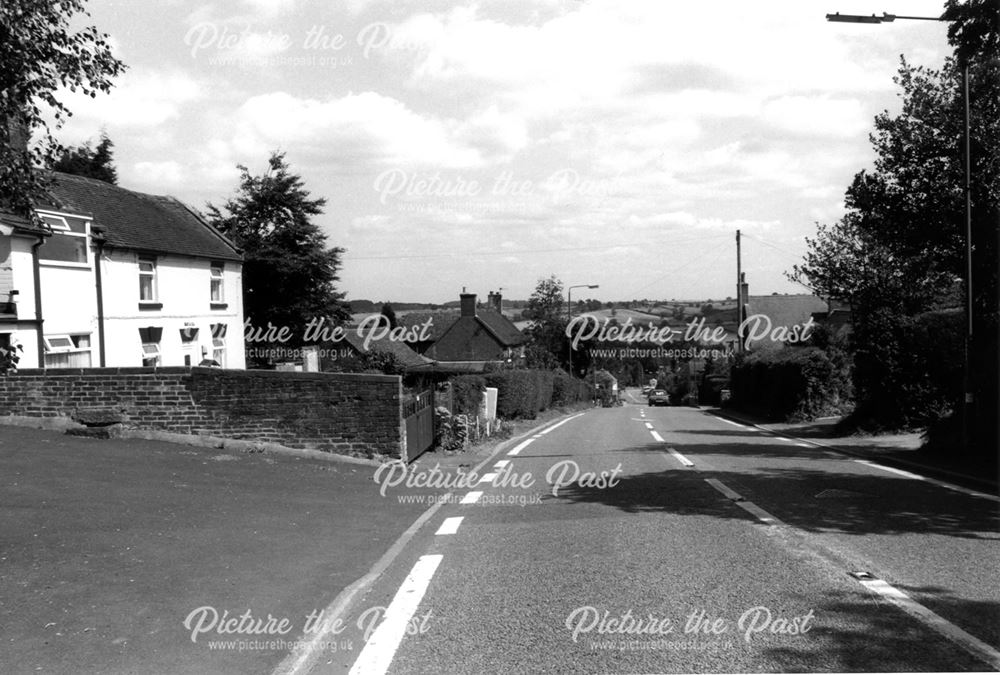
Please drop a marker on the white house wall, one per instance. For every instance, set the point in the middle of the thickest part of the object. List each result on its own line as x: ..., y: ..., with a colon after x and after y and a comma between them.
x: 17, y: 274
x: 183, y: 287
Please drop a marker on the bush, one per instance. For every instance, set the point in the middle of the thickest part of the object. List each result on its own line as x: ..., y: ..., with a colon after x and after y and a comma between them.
x: 905, y: 373
x: 567, y: 390
x: 525, y: 393
x: 792, y: 384
x: 517, y: 393
x: 451, y: 431
x: 467, y: 393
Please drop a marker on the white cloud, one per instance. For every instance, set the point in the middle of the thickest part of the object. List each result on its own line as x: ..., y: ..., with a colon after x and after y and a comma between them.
x: 138, y: 101
x: 367, y: 127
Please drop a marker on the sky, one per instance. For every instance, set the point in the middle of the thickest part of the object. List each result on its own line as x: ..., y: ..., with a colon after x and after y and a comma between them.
x: 487, y: 145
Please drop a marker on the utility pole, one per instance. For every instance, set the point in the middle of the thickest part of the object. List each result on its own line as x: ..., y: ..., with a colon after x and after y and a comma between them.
x: 739, y: 293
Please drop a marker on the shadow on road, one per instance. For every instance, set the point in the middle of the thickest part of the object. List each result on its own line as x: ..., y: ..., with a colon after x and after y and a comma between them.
x: 852, y: 501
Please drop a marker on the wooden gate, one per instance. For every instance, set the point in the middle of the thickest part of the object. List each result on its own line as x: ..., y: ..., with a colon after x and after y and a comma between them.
x: 418, y: 417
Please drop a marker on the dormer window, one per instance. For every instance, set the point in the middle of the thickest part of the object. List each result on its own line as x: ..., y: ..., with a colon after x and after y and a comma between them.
x: 68, y: 244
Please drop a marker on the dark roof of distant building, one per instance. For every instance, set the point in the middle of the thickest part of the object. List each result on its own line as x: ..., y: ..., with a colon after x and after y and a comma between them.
x: 785, y: 310
x: 501, y: 327
x: 441, y: 321
x: 139, y: 221
x: 406, y: 356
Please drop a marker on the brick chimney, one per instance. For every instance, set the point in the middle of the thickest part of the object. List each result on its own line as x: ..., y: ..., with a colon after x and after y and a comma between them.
x: 495, y: 302
x: 468, y: 304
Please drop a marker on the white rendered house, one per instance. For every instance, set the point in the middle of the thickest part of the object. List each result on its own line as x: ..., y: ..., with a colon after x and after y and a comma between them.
x: 119, y: 278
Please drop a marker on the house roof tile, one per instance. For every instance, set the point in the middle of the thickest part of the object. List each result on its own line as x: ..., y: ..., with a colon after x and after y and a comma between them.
x: 785, y: 310
x: 138, y: 221
x: 406, y: 356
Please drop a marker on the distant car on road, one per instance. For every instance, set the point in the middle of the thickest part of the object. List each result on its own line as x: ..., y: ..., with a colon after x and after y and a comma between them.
x: 658, y: 397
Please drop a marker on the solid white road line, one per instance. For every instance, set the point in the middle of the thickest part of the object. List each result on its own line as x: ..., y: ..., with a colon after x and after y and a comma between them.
x: 381, y: 647
x: 471, y: 497
x: 520, y: 446
x: 933, y: 481
x: 898, y: 472
x: 559, y: 424
x: 450, y: 525
x: 970, y: 643
x: 657, y: 437
x: 782, y: 438
x: 735, y: 424
x: 680, y: 458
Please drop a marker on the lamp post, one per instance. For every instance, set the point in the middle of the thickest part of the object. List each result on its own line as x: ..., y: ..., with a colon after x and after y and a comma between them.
x: 569, y: 316
x: 967, y: 189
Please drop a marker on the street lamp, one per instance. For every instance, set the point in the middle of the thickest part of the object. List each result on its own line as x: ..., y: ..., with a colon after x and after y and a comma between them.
x: 569, y: 316
x: 967, y: 188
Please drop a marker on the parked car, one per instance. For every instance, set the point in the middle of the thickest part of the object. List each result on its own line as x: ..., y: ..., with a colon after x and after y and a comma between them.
x: 658, y: 397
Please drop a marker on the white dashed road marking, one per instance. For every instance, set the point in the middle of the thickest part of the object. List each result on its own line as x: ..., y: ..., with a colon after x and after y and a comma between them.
x: 381, y: 647
x: 450, y: 525
x: 471, y: 497
x: 680, y: 458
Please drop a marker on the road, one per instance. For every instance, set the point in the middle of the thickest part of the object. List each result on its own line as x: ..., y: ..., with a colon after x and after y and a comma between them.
x: 676, y: 541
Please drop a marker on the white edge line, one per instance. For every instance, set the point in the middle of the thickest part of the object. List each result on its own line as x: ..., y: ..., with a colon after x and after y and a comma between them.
x: 890, y: 469
x: 450, y: 525
x: 520, y: 446
x: 558, y: 424
x: 381, y: 647
x: 968, y: 642
x: 933, y: 481
x: 735, y: 424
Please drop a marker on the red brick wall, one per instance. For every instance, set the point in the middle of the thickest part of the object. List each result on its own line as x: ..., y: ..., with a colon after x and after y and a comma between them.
x: 342, y: 413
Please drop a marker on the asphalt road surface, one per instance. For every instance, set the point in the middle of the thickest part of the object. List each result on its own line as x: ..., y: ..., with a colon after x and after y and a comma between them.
x: 652, y: 540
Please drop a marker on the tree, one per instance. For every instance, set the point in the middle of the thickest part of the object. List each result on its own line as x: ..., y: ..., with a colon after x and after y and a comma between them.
x: 289, y: 274
x: 549, y: 343
x: 88, y: 161
x: 390, y: 315
x: 40, y: 58
x: 546, y: 303
x: 898, y: 255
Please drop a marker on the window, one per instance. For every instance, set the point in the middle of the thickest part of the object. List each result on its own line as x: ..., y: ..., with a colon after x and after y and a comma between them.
x: 67, y: 351
x: 147, y: 280
x: 150, y: 338
x: 150, y: 354
x: 68, y: 243
x: 219, y: 351
x: 218, y: 294
x: 219, y: 343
